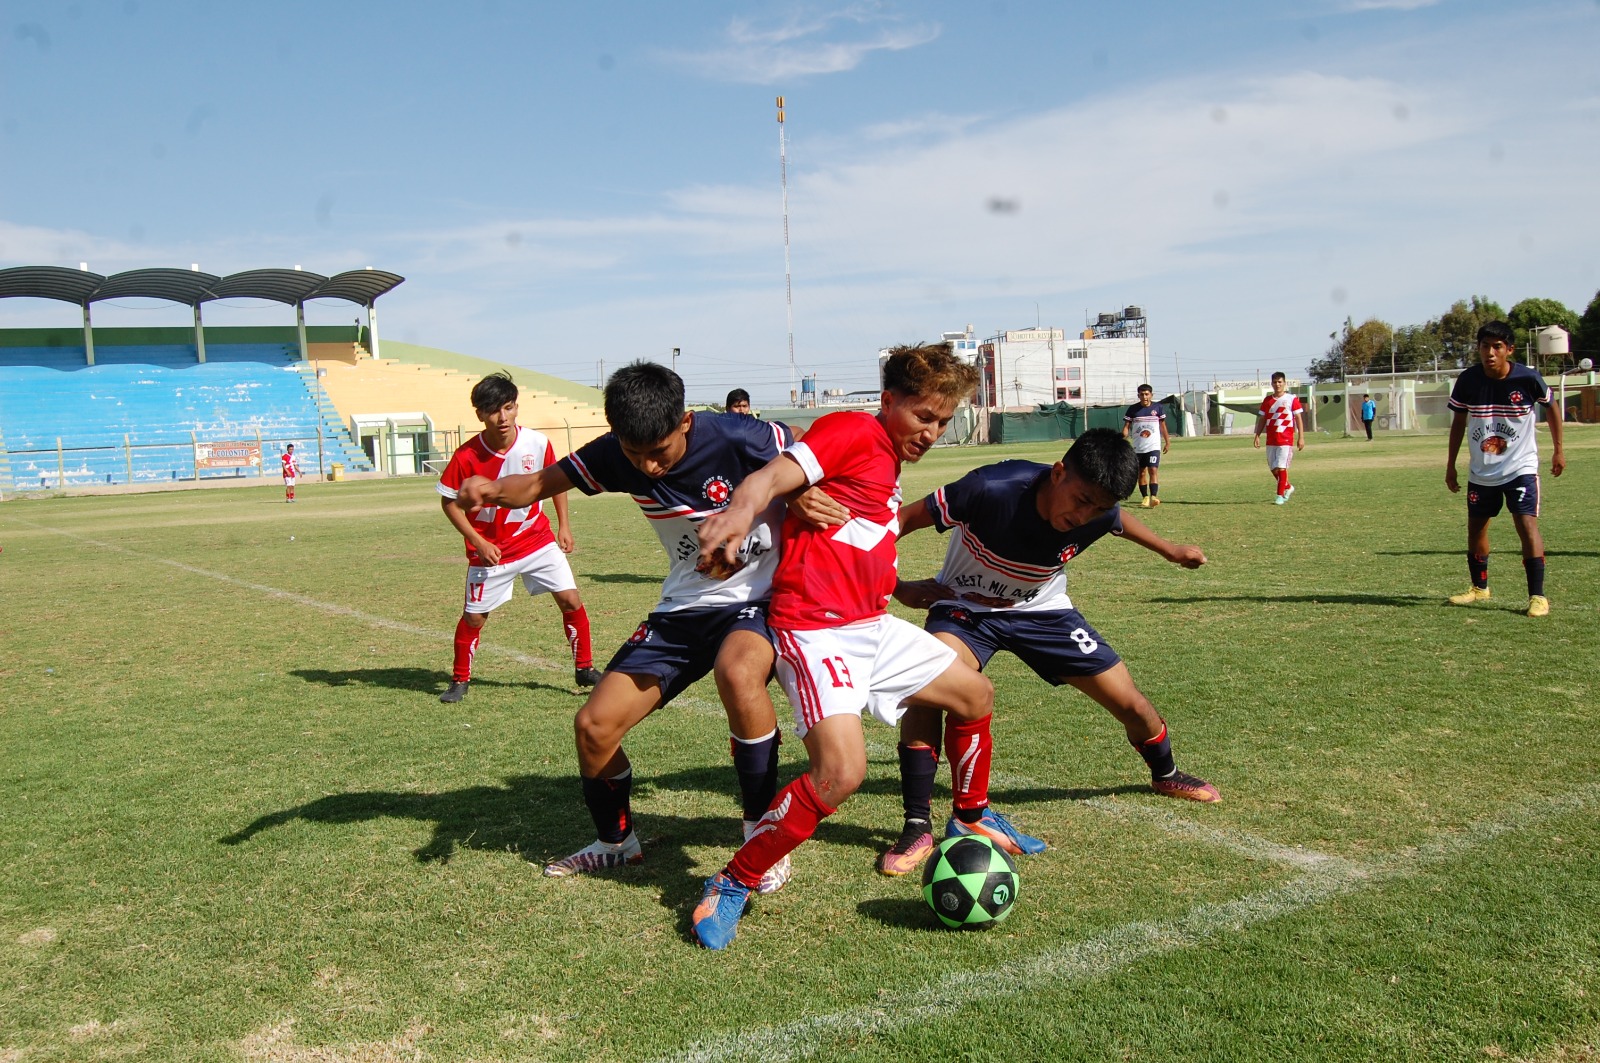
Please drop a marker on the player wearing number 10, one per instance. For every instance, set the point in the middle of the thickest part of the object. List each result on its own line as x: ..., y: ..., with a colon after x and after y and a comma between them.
x: 1016, y: 525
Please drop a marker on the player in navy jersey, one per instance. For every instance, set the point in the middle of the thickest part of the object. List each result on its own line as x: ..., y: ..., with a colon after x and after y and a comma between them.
x: 1003, y: 586
x: 1494, y: 411
x: 680, y: 467
x: 1145, y: 426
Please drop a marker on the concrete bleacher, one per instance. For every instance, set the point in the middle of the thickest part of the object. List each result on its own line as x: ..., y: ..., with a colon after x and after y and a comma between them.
x: 105, y: 415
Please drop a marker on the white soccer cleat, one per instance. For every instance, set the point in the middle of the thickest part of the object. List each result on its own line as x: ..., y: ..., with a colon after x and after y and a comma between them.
x: 597, y: 856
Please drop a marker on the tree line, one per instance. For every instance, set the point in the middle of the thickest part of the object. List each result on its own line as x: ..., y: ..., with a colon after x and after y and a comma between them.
x: 1449, y: 340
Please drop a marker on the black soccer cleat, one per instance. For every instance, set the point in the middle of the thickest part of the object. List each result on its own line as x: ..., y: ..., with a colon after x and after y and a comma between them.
x: 585, y: 677
x: 454, y: 692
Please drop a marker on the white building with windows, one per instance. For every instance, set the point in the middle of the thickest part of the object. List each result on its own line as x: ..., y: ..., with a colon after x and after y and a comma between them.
x: 1101, y: 366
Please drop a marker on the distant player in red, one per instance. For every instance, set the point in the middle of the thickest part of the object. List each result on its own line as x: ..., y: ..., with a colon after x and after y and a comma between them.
x: 840, y: 654
x: 1283, y: 418
x: 504, y: 544
x: 291, y: 471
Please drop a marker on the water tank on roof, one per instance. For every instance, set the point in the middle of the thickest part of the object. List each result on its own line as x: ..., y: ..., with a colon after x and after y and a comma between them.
x: 807, y: 385
x: 1552, y: 339
x: 1133, y: 311
x: 1108, y: 319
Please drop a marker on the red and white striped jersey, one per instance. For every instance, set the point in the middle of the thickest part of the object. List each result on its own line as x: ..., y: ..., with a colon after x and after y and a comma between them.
x: 517, y: 532
x: 1280, y: 411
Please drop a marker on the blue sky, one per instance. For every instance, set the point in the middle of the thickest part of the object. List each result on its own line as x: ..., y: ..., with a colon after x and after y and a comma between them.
x: 562, y: 183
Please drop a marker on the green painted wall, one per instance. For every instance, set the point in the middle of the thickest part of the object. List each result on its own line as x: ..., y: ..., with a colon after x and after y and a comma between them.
x: 466, y: 363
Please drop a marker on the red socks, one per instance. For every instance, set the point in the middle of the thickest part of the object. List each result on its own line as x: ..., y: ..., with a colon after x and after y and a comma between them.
x: 466, y: 649
x: 1283, y: 481
x: 576, y: 624
x: 969, y: 747
x: 792, y: 819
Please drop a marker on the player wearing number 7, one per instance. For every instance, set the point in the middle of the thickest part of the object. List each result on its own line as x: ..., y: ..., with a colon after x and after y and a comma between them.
x: 1016, y: 525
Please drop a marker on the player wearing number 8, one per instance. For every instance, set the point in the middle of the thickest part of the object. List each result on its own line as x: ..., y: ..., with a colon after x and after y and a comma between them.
x: 1015, y: 525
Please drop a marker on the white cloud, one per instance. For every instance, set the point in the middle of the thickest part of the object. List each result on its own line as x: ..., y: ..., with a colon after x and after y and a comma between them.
x: 801, y: 46
x: 1386, y: 5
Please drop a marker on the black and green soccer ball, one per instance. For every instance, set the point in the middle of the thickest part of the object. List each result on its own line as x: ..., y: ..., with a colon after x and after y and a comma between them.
x: 969, y: 882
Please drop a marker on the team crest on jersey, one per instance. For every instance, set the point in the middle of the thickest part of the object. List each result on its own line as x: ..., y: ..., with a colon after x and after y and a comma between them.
x: 1069, y: 552
x: 1516, y: 396
x: 527, y: 463
x: 717, y: 490
x: 641, y: 635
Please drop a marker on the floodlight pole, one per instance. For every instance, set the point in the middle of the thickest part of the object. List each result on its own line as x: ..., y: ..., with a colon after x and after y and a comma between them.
x: 788, y: 279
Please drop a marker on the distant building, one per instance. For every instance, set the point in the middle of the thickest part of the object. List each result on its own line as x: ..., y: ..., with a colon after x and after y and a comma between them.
x: 1101, y: 366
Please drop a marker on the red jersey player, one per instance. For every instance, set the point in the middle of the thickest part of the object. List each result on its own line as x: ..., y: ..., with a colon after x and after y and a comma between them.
x: 1283, y: 417
x: 840, y: 654
x: 291, y: 471
x: 505, y: 543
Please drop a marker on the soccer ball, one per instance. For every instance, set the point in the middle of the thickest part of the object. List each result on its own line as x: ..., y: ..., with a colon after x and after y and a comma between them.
x: 969, y: 882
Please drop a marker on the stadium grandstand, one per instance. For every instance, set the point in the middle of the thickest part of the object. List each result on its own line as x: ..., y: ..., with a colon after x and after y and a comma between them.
x: 92, y: 407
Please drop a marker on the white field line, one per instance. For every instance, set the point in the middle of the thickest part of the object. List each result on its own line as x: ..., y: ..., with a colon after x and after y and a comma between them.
x: 305, y: 600
x: 1119, y: 947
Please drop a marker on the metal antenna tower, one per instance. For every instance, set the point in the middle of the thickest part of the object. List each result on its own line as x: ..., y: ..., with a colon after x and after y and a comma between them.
x: 788, y: 279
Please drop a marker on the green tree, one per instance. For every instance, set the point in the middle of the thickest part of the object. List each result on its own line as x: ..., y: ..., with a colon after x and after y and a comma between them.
x: 1418, y: 347
x: 1586, y: 343
x: 1367, y: 347
x: 1458, y: 329
x: 1532, y: 314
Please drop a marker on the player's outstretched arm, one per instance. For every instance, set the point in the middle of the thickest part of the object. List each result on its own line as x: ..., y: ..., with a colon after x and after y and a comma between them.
x: 1136, y: 530
x: 722, y: 532
x: 523, y: 489
x: 1458, y: 432
x: 1558, y: 460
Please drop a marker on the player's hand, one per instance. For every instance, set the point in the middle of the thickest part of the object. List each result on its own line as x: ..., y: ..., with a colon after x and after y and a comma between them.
x: 564, y: 540
x: 1450, y: 479
x: 476, y: 492
x: 488, y: 551
x: 1558, y: 463
x: 1187, y: 556
x: 1257, y: 443
x: 817, y: 509
x: 921, y: 593
x: 1299, y: 444
x: 1165, y: 446
x: 720, y: 535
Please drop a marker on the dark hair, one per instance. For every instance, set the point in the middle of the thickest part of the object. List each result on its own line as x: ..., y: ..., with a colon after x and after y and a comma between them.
x: 928, y: 369
x: 290, y: 446
x: 1102, y: 457
x: 735, y: 396
x: 1145, y: 387
x: 644, y: 403
x: 1497, y: 330
x: 1280, y: 376
x: 494, y: 391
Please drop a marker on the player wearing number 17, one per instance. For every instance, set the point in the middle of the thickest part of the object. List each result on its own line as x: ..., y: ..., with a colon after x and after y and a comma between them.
x: 840, y: 655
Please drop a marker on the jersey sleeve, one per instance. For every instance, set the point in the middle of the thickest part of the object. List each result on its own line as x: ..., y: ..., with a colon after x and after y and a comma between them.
x: 1458, y: 393
x: 827, y: 448
x: 1113, y: 520
x: 1298, y: 406
x: 593, y: 467
x: 764, y: 440
x: 951, y: 504
x: 454, y: 474
x: 1266, y: 405
x: 1544, y: 396
x: 1127, y: 415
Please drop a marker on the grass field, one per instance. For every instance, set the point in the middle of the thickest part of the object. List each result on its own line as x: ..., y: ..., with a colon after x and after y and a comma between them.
x: 236, y: 823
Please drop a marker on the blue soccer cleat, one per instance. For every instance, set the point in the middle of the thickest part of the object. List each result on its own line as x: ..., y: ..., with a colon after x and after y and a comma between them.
x: 999, y: 830
x: 716, y: 917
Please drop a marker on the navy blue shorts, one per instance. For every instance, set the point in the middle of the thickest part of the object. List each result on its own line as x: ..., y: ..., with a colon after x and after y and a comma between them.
x: 1058, y: 645
x: 1149, y: 459
x: 680, y: 647
x: 1519, y: 496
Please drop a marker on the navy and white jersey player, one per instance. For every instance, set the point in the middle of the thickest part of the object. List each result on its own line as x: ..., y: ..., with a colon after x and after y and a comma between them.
x: 1144, y: 424
x: 680, y: 467
x: 1493, y: 404
x: 1014, y: 526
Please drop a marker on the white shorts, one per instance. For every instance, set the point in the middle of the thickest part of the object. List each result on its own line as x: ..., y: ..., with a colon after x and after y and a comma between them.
x: 1279, y: 457
x: 871, y: 665
x: 546, y: 569
x: 288, y: 481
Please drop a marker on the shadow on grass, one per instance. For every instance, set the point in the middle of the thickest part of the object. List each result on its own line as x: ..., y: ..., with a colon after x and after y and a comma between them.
x: 1197, y: 502
x: 1395, y: 600
x: 907, y: 913
x: 424, y: 680
x: 1458, y: 552
x: 619, y: 577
